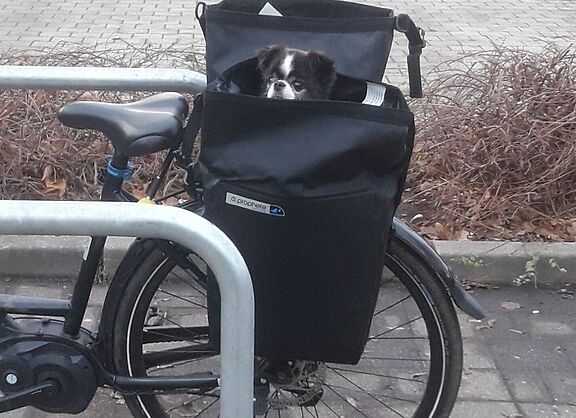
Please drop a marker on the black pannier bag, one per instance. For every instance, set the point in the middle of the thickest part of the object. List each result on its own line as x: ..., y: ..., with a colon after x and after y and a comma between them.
x: 307, y: 191
x: 357, y: 37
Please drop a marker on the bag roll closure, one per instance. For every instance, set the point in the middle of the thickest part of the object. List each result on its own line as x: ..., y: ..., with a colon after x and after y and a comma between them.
x: 349, y: 33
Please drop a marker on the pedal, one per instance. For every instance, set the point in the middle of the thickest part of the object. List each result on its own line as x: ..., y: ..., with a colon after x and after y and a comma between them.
x: 26, y: 396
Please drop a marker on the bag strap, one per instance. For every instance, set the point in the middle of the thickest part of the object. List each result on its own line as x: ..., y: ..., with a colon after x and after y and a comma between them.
x: 190, y: 133
x: 416, y: 43
x: 201, y: 16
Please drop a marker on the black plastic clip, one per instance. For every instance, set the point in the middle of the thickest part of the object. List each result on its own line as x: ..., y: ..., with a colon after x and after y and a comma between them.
x: 200, y: 9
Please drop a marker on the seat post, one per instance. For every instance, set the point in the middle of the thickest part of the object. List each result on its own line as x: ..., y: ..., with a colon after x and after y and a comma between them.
x: 116, y: 172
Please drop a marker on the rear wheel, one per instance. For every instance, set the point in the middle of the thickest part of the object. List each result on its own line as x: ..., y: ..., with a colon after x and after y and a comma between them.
x: 411, y: 366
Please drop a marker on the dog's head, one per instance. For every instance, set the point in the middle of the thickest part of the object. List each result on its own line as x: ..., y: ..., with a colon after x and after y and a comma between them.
x: 294, y: 74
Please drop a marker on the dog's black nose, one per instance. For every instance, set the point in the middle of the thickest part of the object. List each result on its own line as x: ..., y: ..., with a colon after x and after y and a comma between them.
x: 279, y: 85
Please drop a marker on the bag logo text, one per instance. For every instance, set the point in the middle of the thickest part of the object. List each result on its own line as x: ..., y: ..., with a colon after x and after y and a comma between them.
x: 254, y: 205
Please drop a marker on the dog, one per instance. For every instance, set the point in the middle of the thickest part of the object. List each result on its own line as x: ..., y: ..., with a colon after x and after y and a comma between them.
x: 293, y: 74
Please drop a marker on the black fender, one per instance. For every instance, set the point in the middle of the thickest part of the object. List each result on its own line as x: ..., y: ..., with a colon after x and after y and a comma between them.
x: 438, y: 267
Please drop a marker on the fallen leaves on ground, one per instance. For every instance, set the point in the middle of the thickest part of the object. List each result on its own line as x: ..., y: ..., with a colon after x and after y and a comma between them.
x: 510, y: 306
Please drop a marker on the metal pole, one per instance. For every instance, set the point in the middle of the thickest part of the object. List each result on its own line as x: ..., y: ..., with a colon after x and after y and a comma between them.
x: 185, y: 228
x: 99, y: 78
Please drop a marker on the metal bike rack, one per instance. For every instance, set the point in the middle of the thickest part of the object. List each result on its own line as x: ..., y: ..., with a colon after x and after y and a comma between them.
x: 185, y: 228
x: 100, y: 78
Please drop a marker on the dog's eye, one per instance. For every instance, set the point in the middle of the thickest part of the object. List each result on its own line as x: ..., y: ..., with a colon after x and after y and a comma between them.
x: 271, y: 79
x: 297, y: 85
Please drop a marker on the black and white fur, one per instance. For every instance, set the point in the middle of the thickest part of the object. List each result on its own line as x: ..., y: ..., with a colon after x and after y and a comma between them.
x: 294, y: 74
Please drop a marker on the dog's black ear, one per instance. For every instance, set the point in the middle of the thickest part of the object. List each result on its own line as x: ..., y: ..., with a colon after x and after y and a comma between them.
x: 266, y: 55
x: 322, y: 65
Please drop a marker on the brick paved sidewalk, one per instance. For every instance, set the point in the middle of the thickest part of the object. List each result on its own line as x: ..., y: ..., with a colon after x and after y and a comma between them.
x: 518, y: 363
x: 453, y: 26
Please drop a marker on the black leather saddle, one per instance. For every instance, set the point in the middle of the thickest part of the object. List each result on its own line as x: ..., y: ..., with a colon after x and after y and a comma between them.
x: 142, y: 127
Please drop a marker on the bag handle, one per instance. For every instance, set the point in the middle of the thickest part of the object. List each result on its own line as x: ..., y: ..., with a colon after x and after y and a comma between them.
x: 191, y: 132
x: 201, y: 15
x: 416, y: 43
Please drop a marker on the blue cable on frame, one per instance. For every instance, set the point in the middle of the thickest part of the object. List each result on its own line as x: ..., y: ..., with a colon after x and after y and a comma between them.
x: 125, y: 173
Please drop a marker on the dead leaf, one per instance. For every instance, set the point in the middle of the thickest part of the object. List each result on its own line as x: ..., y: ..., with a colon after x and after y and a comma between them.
x: 489, y: 324
x: 469, y: 285
x: 87, y: 95
x: 8, y: 152
x: 40, y: 98
x: 511, y: 306
x: 445, y: 232
x: 52, y: 185
x: 572, y: 228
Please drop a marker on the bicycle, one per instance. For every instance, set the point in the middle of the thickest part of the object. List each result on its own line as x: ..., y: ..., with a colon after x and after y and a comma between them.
x: 154, y: 345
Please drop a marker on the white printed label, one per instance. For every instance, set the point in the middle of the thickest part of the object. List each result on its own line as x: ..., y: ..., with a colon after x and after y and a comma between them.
x: 254, y: 205
x: 87, y: 249
x: 269, y: 10
x: 375, y: 94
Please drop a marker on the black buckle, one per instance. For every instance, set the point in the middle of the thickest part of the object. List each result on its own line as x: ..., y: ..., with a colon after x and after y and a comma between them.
x: 403, y: 23
x: 200, y: 9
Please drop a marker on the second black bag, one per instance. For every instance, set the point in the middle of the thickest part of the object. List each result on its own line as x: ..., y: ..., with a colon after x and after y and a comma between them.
x: 357, y: 36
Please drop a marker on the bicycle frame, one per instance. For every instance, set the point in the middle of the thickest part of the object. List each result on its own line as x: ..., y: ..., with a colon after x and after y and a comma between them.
x: 74, y: 310
x: 111, y: 191
x: 149, y: 221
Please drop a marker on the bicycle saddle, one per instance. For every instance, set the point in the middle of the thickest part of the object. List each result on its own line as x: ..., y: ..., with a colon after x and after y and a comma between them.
x: 142, y: 127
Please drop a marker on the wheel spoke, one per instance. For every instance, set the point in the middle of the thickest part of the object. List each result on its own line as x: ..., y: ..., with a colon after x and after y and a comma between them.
x: 160, y: 358
x: 201, y: 291
x: 182, y: 260
x: 182, y: 298
x: 387, y: 282
x: 171, y: 334
x: 394, y: 359
x: 187, y: 403
x: 376, y: 399
x: 395, y: 328
x: 208, y: 407
x: 188, y: 334
x: 371, y: 393
x: 329, y: 408
x: 391, y: 306
x: 337, y: 369
x: 348, y: 403
x: 398, y: 338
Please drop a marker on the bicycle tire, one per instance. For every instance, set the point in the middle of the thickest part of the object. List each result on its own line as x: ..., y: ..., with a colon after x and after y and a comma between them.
x: 358, y: 395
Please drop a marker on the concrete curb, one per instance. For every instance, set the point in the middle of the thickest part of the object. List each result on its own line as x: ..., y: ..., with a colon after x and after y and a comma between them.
x: 58, y: 258
x: 496, y: 263
x: 492, y: 262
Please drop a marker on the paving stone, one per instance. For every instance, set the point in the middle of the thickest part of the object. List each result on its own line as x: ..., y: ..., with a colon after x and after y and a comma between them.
x: 535, y: 410
x: 486, y: 409
x: 562, y: 384
x: 476, y: 357
x: 527, y: 386
x: 483, y: 385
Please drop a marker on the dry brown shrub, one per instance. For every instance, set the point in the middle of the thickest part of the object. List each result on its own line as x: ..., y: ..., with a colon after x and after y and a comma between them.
x: 42, y: 159
x: 496, y: 147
